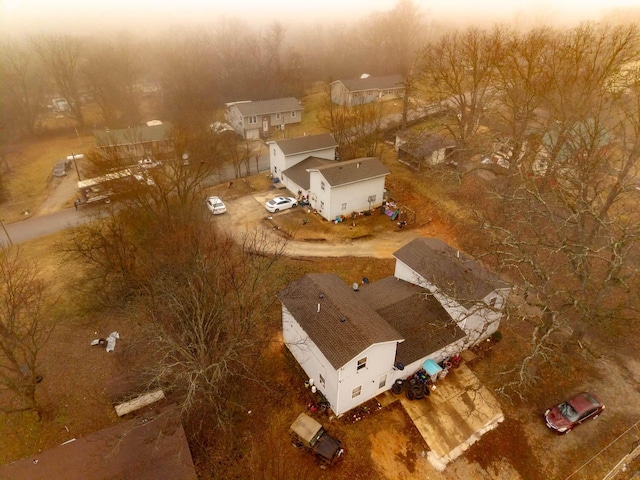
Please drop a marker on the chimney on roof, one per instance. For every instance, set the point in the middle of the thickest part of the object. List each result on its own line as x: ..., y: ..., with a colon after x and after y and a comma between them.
x: 358, y: 165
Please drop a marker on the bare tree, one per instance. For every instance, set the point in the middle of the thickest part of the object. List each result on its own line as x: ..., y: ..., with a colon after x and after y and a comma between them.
x: 523, y: 81
x: 357, y: 129
x: 111, y: 70
x: 25, y: 326
x: 459, y: 74
x: 390, y: 40
x: 206, y: 320
x: 62, y: 56
x: 22, y: 90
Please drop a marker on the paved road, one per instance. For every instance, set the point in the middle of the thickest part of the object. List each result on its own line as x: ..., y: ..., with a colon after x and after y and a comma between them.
x: 41, y: 225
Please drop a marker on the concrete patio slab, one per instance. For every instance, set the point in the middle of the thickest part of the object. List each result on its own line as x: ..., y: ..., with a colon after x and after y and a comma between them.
x: 456, y: 414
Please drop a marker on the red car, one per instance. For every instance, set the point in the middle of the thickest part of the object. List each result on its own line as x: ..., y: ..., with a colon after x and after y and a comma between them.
x: 567, y: 415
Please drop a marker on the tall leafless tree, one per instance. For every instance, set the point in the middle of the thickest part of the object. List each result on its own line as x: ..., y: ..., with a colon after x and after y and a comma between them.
x: 459, y: 73
x: 62, y: 55
x: 23, y: 85
x: 25, y: 326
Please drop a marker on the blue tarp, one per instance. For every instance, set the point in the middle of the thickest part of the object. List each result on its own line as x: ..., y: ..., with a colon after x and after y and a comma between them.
x: 431, y: 367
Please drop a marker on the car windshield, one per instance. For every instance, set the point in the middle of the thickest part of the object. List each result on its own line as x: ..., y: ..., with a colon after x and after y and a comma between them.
x: 568, y: 412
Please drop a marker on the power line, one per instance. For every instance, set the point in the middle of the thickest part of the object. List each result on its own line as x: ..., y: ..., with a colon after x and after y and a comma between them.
x: 612, y: 442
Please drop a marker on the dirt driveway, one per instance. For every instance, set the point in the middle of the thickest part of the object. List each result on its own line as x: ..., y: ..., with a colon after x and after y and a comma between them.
x: 247, y: 212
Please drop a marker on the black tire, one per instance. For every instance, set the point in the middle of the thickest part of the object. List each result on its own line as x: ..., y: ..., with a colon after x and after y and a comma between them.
x: 294, y: 205
x: 418, y: 391
x: 276, y: 210
x: 411, y: 394
x: 396, y: 388
x: 426, y: 390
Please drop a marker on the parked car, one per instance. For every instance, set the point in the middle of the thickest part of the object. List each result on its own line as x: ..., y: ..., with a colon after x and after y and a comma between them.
x: 60, y: 169
x: 565, y: 416
x: 309, y: 434
x: 280, y: 203
x: 216, y: 205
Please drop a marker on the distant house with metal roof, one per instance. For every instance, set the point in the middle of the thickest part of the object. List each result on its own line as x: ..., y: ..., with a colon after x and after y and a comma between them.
x: 355, y: 342
x: 417, y: 148
x: 152, y: 141
x: 150, y: 447
x: 253, y: 120
x: 366, y: 89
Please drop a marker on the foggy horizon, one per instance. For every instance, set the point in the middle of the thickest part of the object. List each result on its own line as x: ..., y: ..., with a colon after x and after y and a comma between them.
x: 20, y: 17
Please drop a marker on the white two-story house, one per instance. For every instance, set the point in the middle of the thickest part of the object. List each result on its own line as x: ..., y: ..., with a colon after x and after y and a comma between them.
x: 284, y: 154
x: 355, y: 343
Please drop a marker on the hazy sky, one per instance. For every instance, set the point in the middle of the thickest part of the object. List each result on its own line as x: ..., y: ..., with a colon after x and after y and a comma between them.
x: 85, y: 16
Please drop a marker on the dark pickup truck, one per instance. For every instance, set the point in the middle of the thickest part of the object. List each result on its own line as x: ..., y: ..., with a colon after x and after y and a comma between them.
x: 309, y: 434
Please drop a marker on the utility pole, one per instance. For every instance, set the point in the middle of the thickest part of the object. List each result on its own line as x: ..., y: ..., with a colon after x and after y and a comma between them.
x: 5, y: 232
x: 75, y: 164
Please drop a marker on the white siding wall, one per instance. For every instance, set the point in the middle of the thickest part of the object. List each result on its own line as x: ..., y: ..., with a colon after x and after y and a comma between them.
x: 379, y: 363
x: 319, y: 197
x: 310, y: 358
x: 339, y: 94
x: 355, y: 195
x: 328, y: 201
x: 339, y: 385
x: 276, y: 160
x: 234, y: 118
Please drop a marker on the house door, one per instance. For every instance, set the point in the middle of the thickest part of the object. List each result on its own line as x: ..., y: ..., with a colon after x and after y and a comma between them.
x: 265, y: 124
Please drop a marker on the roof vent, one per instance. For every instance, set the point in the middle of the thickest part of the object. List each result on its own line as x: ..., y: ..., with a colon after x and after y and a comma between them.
x: 343, y: 319
x: 321, y: 295
x: 355, y: 286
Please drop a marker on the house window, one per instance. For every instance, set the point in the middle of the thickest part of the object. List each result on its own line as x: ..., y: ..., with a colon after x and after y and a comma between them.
x: 492, y: 302
x: 275, y: 169
x: 343, y: 207
x: 356, y: 392
x: 362, y: 363
x: 321, y: 205
x: 321, y: 379
x: 382, y: 382
x: 274, y: 152
x: 278, y: 116
x: 322, y: 185
x: 293, y: 114
x: 253, y: 120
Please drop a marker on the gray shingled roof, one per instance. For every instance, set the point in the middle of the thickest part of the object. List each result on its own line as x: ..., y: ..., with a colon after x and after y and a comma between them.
x: 266, y: 107
x: 342, y: 173
x: 371, y: 83
x: 148, y: 447
x: 456, y: 274
x: 415, y: 314
x: 307, y: 144
x: 298, y: 173
x: 422, y: 145
x: 133, y: 135
x: 340, y: 341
